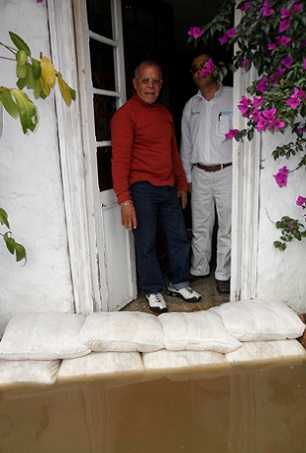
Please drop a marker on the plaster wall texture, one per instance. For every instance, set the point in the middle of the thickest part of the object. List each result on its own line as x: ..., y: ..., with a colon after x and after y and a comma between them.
x: 30, y: 185
x: 281, y: 274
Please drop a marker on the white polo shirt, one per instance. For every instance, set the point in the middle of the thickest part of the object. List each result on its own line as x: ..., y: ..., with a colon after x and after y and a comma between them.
x: 204, y: 125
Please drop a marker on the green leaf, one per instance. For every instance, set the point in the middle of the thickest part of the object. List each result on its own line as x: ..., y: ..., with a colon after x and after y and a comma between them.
x: 10, y: 244
x: 19, y: 43
x: 36, y: 68
x: 27, y: 110
x: 4, y: 218
x: 21, y: 57
x: 20, y: 252
x: 8, y: 103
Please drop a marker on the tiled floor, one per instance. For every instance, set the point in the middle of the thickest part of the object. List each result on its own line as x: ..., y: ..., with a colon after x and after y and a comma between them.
x: 205, y: 286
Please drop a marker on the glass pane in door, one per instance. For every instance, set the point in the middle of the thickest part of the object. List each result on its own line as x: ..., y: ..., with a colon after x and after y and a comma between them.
x: 102, y: 65
x: 100, y: 17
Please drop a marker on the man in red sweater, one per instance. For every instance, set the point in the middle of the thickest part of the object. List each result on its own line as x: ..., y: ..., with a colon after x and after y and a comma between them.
x: 151, y: 187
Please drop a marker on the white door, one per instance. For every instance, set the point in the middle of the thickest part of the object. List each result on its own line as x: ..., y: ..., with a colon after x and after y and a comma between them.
x: 99, y: 43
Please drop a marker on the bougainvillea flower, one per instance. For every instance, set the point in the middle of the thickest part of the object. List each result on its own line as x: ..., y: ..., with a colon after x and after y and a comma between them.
x: 290, y: 224
x: 246, y: 6
x: 245, y: 106
x: 301, y: 130
x: 285, y: 13
x: 283, y: 25
x: 257, y: 102
x: 287, y: 61
x: 232, y: 133
x: 196, y: 32
x: 301, y: 201
x: 277, y: 124
x: 297, y: 8
x: 271, y: 46
x: 281, y: 176
x: 262, y: 85
x: 39, y: 1
x: 282, y: 40
x: 266, y: 9
x: 293, y: 102
x: 244, y: 63
x: 231, y: 32
x: 208, y: 68
x: 223, y: 39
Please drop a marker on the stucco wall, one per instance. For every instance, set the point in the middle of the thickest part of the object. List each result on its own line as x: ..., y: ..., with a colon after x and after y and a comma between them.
x: 281, y: 274
x: 31, y: 186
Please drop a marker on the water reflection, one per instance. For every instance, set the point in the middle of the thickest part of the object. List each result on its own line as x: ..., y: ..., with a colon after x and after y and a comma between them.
x: 255, y: 408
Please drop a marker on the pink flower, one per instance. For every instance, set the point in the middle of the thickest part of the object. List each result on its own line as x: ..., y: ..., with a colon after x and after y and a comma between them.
x: 266, y: 9
x: 290, y: 224
x: 281, y: 176
x: 232, y: 133
x: 278, y: 124
x: 282, y: 40
x: 257, y: 102
x: 223, y: 40
x: 39, y: 1
x: 271, y: 46
x: 301, y: 201
x: 196, y: 32
x: 287, y: 61
x: 262, y: 85
x: 283, y: 25
x: 285, y: 13
x: 245, y: 106
x: 244, y: 63
x: 301, y: 130
x: 297, y: 8
x: 208, y: 68
x: 246, y: 6
x: 293, y: 102
x: 231, y: 32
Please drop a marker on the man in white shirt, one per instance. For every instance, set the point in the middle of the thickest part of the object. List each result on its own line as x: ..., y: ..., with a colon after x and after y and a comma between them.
x: 207, y: 160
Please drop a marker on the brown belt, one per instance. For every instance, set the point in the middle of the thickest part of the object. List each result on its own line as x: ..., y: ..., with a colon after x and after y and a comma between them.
x: 213, y: 167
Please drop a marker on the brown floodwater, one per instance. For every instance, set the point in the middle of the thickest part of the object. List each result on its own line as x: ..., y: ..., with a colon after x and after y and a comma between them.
x: 239, y: 408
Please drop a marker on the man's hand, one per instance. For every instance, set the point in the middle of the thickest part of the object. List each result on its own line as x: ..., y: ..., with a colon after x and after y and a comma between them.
x: 189, y: 187
x: 182, y: 194
x: 128, y: 216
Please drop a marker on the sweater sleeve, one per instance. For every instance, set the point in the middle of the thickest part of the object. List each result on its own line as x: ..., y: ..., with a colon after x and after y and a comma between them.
x: 122, y: 131
x: 178, y: 171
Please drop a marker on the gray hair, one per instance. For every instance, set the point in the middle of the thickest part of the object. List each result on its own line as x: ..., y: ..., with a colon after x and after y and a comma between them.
x: 147, y: 63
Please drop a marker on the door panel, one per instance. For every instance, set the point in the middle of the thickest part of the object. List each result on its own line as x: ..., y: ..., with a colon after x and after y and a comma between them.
x: 102, y: 86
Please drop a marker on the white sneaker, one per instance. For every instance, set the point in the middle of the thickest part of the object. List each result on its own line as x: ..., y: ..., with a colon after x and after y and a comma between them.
x: 156, y: 302
x: 187, y: 293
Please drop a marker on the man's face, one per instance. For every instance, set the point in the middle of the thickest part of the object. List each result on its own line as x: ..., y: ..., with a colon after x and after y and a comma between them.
x: 196, y: 67
x: 148, y: 83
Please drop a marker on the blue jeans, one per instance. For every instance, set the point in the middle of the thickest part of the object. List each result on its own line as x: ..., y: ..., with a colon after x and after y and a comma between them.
x: 160, y: 205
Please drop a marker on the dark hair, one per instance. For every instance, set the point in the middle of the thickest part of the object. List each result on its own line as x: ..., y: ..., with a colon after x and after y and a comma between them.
x: 204, y: 49
x: 147, y: 63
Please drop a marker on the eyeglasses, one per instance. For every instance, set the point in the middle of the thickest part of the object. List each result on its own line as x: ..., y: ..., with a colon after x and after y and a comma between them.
x: 198, y: 67
x: 145, y: 81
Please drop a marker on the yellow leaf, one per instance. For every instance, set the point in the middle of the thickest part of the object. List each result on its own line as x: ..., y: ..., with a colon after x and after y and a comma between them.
x: 47, y: 75
x: 64, y: 89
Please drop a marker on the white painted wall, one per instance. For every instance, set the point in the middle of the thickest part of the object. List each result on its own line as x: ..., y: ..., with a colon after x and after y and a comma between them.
x: 281, y: 275
x: 31, y: 186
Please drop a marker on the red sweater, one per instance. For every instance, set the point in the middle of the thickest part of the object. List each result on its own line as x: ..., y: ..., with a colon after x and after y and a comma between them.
x: 144, y: 148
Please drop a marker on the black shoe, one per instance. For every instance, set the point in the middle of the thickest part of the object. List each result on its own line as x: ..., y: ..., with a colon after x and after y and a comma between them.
x: 223, y: 286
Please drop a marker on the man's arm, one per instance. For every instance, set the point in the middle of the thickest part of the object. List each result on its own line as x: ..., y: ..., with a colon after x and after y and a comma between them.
x: 122, y: 141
